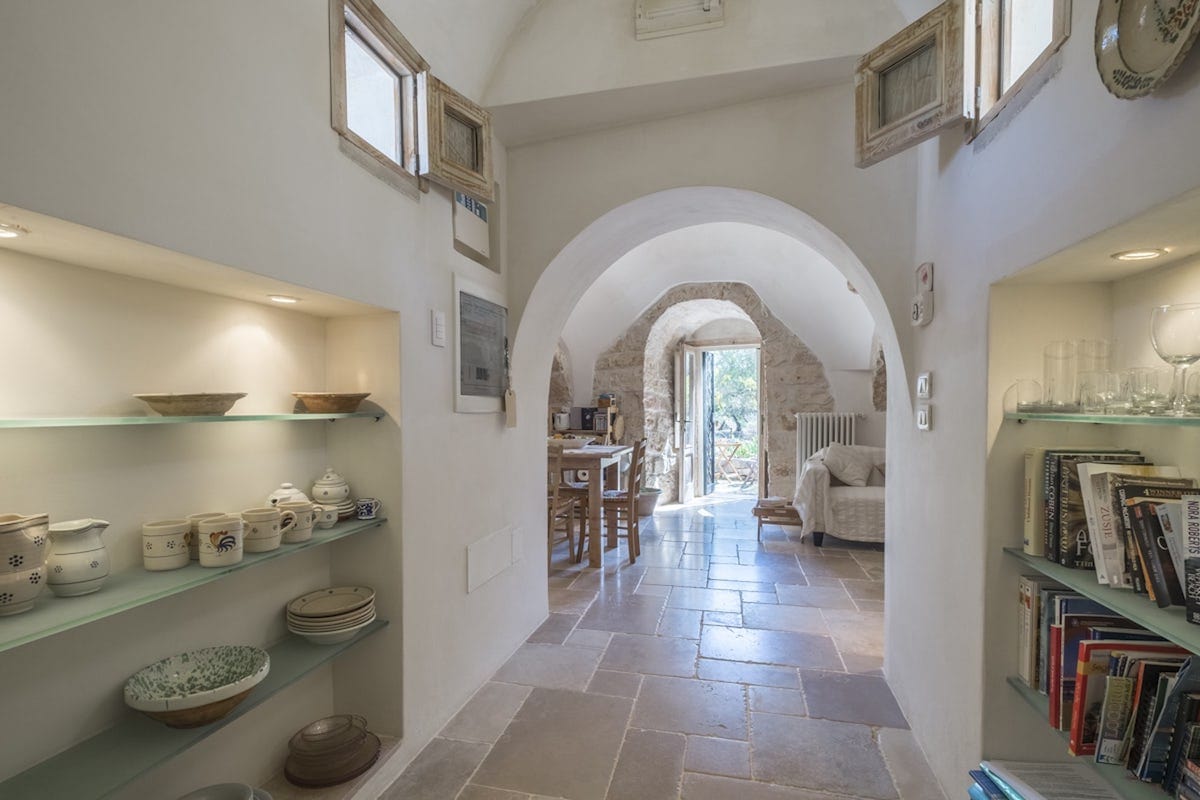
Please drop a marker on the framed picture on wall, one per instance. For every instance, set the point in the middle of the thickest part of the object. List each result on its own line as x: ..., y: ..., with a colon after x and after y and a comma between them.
x: 481, y: 352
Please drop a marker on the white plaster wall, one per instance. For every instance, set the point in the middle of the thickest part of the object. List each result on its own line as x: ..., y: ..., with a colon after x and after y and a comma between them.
x: 1074, y: 161
x: 596, y: 39
x: 183, y: 125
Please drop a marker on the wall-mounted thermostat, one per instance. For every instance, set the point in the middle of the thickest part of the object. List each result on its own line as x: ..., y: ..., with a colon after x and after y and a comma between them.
x: 924, y: 417
x: 922, y: 304
x: 924, y: 386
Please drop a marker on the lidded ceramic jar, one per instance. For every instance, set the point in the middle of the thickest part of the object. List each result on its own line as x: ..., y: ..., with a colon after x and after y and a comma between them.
x: 286, y: 493
x: 24, y: 545
x: 331, y: 488
x: 78, y: 561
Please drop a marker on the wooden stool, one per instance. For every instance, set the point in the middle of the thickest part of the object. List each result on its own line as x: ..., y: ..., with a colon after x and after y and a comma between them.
x: 775, y: 515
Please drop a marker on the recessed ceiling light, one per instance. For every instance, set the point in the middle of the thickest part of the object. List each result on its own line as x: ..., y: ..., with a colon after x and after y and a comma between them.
x: 1138, y: 255
x: 283, y: 298
x: 10, y: 231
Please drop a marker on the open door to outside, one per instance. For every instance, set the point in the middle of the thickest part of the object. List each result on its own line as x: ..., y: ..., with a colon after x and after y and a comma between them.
x: 708, y: 405
x: 685, y: 416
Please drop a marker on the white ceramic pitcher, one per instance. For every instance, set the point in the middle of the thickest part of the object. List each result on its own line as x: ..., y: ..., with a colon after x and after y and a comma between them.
x: 78, y: 561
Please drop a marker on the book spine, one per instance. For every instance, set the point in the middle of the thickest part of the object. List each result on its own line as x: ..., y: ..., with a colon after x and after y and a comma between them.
x: 1054, y: 683
x: 1025, y: 592
x: 1133, y: 564
x: 1050, y: 484
x: 1032, y: 539
x: 1114, y: 718
x: 1066, y: 546
x: 1146, y: 536
x: 1191, y: 556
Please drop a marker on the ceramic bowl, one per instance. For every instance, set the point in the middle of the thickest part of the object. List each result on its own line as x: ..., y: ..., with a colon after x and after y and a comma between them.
x: 19, y: 590
x: 191, y: 405
x: 330, y: 402
x: 197, y: 687
x: 336, y: 636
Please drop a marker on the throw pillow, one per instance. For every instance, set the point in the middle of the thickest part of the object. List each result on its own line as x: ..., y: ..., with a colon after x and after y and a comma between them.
x: 847, y: 465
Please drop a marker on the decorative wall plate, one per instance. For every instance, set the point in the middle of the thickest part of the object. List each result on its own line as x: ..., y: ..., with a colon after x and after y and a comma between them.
x: 1139, y: 43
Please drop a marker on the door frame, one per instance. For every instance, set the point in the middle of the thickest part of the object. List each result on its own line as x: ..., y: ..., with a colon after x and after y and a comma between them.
x: 697, y: 348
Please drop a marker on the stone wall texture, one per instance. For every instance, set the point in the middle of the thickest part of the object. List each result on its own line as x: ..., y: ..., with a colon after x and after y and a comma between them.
x: 640, y: 368
x: 560, y: 380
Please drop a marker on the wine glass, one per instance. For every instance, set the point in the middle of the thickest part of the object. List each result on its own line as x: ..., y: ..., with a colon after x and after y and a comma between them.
x: 1175, y: 334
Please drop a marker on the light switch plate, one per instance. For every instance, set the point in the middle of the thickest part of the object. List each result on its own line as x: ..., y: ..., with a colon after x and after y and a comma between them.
x: 437, y: 327
x: 924, y: 386
x: 924, y: 417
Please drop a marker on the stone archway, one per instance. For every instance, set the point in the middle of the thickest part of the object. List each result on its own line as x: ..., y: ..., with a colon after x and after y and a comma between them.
x: 640, y: 367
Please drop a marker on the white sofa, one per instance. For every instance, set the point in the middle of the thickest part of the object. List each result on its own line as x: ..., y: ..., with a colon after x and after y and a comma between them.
x: 827, y: 504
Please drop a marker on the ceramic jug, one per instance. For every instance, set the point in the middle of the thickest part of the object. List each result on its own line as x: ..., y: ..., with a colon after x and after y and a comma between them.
x: 78, y: 561
x: 24, y: 542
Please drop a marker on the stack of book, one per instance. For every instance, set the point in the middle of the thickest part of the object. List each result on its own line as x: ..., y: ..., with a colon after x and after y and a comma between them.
x: 1135, y: 524
x: 1016, y: 780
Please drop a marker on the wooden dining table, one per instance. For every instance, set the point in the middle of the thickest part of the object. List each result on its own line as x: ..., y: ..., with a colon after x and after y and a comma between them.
x: 596, y: 459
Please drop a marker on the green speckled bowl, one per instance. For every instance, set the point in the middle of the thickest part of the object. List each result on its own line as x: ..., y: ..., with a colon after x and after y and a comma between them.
x: 197, y: 687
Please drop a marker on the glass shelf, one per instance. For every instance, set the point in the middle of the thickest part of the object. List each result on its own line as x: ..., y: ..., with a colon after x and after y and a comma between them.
x: 1119, y: 778
x: 1170, y: 623
x: 98, y: 766
x: 99, y: 422
x: 135, y: 587
x: 1105, y: 419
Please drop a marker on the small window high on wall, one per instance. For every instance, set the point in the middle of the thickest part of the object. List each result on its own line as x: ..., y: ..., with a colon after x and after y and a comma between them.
x: 373, y: 81
x: 965, y: 60
x: 1013, y: 40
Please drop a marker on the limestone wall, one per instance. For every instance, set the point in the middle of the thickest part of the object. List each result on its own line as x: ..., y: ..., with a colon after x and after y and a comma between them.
x: 640, y: 368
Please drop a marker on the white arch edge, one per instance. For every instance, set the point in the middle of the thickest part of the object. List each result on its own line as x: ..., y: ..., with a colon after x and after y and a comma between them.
x: 594, y: 249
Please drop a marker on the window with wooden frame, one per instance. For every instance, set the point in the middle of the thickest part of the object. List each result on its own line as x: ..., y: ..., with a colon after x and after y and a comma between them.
x: 1013, y: 41
x: 964, y: 61
x: 456, y: 140
x: 373, y: 71
x: 910, y: 87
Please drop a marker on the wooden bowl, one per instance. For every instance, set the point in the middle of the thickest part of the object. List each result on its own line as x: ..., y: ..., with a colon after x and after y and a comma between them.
x: 330, y: 402
x: 191, y: 405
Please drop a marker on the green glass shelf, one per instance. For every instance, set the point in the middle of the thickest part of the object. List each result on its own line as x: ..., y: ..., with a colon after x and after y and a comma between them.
x: 99, y: 766
x: 136, y: 587
x: 100, y: 422
x: 1119, y: 778
x: 1106, y: 419
x: 1170, y: 623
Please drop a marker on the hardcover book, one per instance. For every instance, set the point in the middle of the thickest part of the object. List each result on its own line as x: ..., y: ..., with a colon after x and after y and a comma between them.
x: 1028, y: 625
x: 1157, y: 566
x: 1191, y: 556
x: 1121, y: 489
x: 1074, y: 548
x: 1090, y: 680
x: 1051, y: 481
x: 1107, y: 549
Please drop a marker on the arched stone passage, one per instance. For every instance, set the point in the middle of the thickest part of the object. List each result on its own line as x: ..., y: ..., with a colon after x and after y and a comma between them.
x: 560, y: 379
x: 643, y: 358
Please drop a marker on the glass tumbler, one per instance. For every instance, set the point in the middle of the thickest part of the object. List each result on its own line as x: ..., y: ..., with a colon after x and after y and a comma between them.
x: 1100, y: 392
x: 1149, y: 389
x: 1058, y: 373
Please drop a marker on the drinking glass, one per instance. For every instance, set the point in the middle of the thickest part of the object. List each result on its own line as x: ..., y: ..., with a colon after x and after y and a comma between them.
x: 1175, y: 334
x: 1100, y: 393
x: 1058, y: 372
x: 1149, y: 389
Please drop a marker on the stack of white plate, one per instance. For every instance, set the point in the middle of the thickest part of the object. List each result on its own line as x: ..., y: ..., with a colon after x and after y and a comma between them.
x: 329, y: 616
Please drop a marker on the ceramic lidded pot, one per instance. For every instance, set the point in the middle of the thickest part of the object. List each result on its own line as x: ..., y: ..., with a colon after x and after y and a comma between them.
x: 24, y: 545
x: 286, y: 493
x: 331, y: 488
x: 78, y: 561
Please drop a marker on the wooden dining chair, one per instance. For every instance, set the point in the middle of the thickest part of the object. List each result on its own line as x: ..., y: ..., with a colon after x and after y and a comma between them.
x: 560, y: 506
x: 620, y: 507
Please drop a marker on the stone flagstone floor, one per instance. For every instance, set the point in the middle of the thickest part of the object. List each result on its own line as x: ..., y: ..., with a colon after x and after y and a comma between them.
x: 716, y: 667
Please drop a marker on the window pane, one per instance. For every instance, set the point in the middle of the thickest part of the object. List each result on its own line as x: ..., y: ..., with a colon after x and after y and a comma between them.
x: 372, y: 92
x: 908, y: 85
x: 1030, y: 28
x: 461, y: 145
